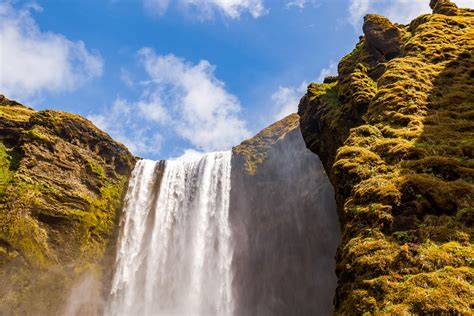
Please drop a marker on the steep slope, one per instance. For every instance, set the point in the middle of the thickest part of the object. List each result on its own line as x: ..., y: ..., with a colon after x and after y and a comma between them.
x: 284, y: 225
x: 61, y: 183
x: 395, y: 132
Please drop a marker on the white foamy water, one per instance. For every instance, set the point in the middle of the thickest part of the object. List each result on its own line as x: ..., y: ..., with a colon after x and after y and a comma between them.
x: 174, y: 254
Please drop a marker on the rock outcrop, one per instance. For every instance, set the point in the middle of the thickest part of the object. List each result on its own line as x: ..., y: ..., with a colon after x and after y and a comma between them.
x: 284, y: 225
x: 395, y: 135
x: 61, y: 186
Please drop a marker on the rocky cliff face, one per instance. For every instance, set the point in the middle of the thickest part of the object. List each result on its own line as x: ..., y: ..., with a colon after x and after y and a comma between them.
x: 61, y: 183
x: 394, y: 131
x: 285, y: 226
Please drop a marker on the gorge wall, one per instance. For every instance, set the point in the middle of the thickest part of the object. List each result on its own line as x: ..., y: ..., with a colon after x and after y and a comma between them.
x: 61, y: 186
x: 395, y: 133
x: 284, y: 225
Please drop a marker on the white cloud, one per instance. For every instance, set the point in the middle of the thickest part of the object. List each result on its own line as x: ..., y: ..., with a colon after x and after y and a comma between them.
x: 357, y: 10
x: 205, y: 114
x: 33, y: 61
x: 403, y: 11
x: 198, y: 108
x: 126, y: 77
x: 206, y: 9
x: 296, y: 3
x: 132, y: 123
x: 301, y: 4
x: 156, y: 6
x: 399, y: 11
x: 286, y: 99
x: 330, y: 70
x: 465, y: 3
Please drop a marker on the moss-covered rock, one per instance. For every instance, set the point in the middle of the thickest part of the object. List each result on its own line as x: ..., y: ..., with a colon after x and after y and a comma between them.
x: 61, y: 186
x: 395, y: 134
x: 255, y: 150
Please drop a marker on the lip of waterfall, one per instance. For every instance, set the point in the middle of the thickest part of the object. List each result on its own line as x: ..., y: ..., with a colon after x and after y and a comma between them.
x: 174, y: 255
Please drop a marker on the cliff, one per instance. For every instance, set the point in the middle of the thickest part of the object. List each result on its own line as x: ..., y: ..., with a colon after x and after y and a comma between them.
x: 395, y: 133
x: 284, y: 225
x: 61, y: 183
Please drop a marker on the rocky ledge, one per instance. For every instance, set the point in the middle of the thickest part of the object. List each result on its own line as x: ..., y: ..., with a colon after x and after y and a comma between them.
x: 61, y: 186
x: 395, y: 133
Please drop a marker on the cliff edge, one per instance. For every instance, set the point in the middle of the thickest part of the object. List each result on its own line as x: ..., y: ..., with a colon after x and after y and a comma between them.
x: 284, y: 225
x: 61, y: 186
x: 395, y: 133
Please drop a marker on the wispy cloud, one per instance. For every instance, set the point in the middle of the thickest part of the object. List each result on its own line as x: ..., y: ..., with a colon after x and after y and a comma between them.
x: 134, y: 123
x: 156, y: 6
x: 399, y: 11
x: 357, y: 9
x: 180, y: 97
x: 296, y: 3
x: 206, y: 9
x: 33, y: 61
x: 301, y: 4
x: 330, y: 70
x: 286, y: 99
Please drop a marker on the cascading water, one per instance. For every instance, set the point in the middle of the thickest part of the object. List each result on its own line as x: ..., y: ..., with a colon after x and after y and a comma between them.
x: 174, y: 255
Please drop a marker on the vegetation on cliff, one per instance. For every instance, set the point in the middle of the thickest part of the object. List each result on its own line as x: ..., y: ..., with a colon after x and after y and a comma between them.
x: 61, y: 185
x: 395, y: 132
x: 255, y: 149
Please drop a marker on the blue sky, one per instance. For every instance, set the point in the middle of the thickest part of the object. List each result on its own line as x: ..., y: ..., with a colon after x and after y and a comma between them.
x: 167, y: 77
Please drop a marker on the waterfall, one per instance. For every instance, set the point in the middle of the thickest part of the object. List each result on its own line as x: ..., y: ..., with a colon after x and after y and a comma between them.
x: 174, y: 254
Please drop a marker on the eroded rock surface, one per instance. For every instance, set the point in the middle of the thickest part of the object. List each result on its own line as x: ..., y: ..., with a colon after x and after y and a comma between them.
x: 61, y: 186
x: 395, y: 134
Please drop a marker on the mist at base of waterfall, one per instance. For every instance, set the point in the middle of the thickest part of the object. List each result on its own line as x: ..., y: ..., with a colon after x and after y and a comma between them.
x: 197, y: 239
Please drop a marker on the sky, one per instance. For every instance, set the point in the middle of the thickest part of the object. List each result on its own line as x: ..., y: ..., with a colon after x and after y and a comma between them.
x: 174, y: 77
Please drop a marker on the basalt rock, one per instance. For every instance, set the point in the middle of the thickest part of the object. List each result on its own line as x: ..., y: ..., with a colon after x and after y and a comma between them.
x: 381, y: 35
x: 61, y: 183
x: 284, y: 225
x: 395, y: 135
x: 445, y: 7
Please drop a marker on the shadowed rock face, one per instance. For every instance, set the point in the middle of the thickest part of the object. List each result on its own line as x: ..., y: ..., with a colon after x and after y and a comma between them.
x: 382, y: 36
x: 61, y: 186
x: 284, y: 224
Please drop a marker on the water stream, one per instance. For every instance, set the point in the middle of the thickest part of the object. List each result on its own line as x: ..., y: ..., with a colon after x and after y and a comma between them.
x: 174, y: 255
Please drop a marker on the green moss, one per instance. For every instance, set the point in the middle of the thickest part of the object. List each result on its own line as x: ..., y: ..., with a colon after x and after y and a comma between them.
x: 255, y: 149
x: 445, y: 291
x: 5, y: 173
x: 315, y: 90
x: 369, y: 255
x: 402, y: 236
x: 99, y: 221
x: 379, y: 20
x: 96, y: 168
x: 397, y: 144
x: 379, y: 189
x: 59, y: 203
x: 39, y: 133
x: 24, y: 234
x: 16, y: 114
